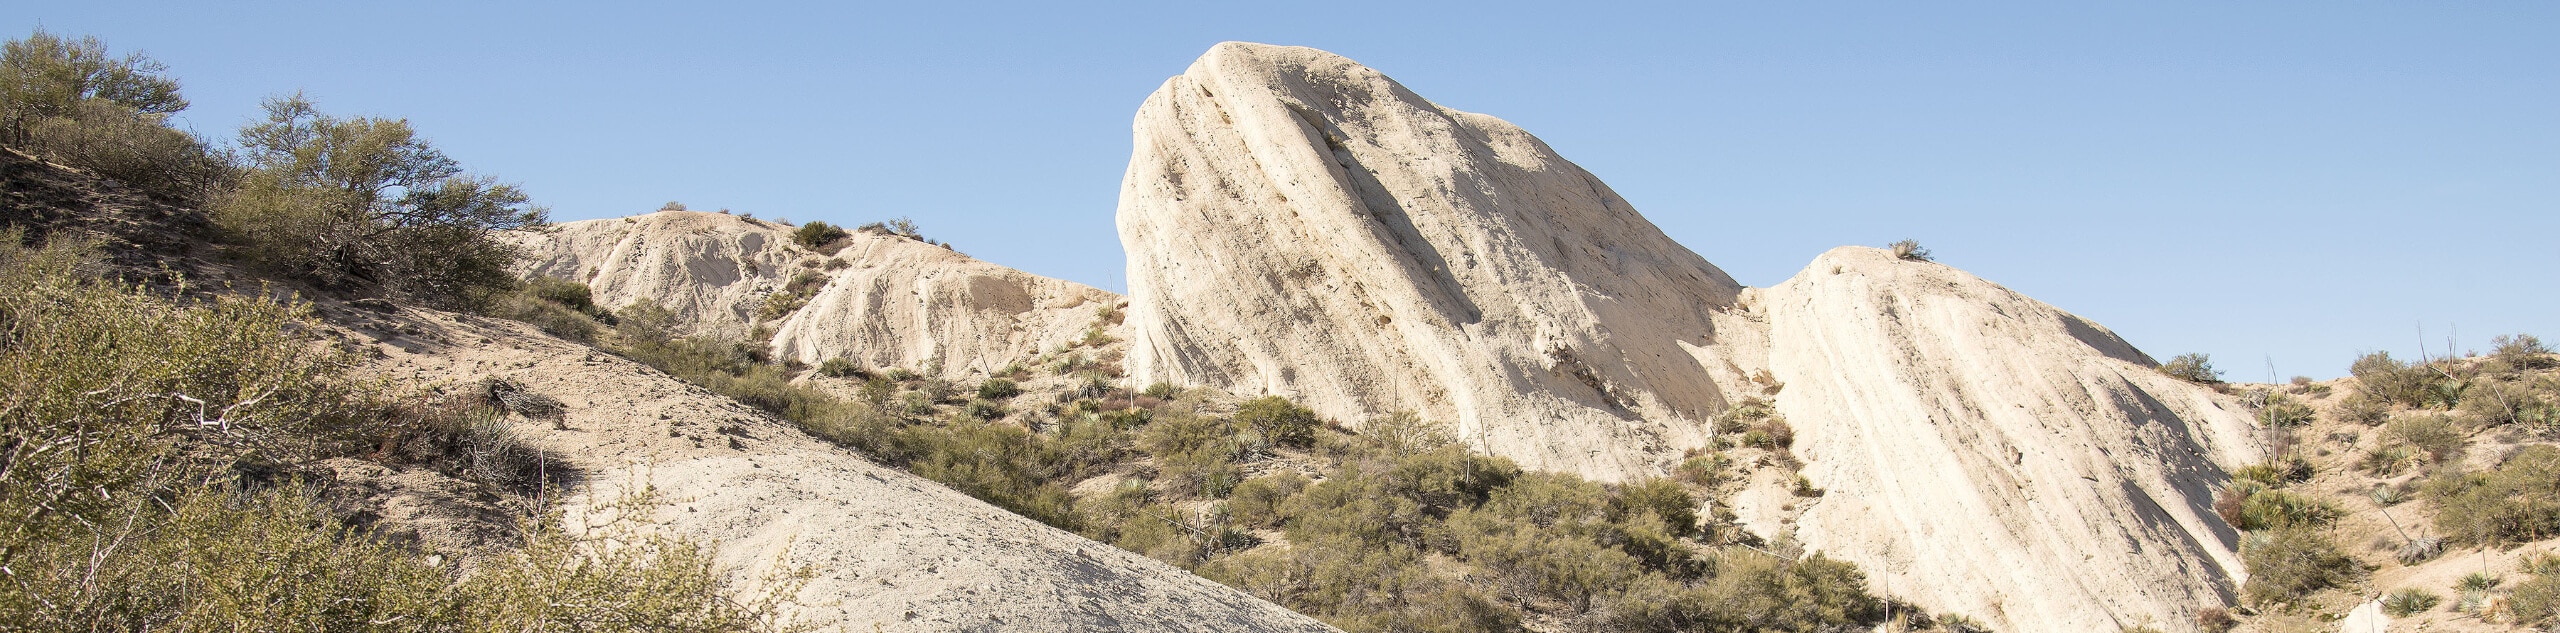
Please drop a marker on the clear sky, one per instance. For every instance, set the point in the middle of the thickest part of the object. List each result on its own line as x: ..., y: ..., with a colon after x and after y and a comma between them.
x: 2268, y: 182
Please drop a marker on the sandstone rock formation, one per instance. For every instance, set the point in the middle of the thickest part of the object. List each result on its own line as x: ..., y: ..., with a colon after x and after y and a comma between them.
x: 1987, y: 454
x: 893, y: 552
x: 1299, y: 224
x: 890, y: 302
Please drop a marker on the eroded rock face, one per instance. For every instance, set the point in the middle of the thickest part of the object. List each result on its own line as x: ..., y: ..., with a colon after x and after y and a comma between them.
x: 1987, y: 454
x: 883, y: 301
x: 1299, y: 224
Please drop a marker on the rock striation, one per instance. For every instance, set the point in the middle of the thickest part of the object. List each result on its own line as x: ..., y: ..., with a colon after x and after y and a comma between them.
x: 1299, y: 224
x: 881, y: 300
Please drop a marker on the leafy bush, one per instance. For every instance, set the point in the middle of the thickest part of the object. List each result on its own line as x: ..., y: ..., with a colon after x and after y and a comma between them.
x: 1276, y: 418
x: 2289, y: 563
x: 2195, y: 368
x: 2409, y: 601
x: 816, y: 234
x: 2518, y: 501
x: 364, y: 202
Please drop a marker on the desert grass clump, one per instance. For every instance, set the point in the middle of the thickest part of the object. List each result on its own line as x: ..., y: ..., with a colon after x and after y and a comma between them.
x: 2409, y: 601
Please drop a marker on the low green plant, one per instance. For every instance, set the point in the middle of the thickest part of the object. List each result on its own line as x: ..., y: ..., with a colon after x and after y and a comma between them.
x: 998, y: 389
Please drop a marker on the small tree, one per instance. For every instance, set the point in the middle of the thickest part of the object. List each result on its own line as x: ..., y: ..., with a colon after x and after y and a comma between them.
x: 365, y: 202
x: 1909, y: 250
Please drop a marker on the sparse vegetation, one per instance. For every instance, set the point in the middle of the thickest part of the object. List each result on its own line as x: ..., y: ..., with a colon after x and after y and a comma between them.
x: 156, y: 482
x: 1909, y: 250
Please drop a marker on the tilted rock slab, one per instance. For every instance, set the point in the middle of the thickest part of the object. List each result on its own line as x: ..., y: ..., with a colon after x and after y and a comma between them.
x: 1987, y: 454
x: 891, y: 551
x: 897, y: 302
x: 1298, y: 224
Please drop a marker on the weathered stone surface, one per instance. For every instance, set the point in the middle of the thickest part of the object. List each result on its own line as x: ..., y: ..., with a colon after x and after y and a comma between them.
x: 1298, y: 224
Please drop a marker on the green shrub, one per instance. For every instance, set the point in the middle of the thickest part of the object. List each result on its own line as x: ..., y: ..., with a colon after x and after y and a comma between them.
x: 2289, y: 563
x: 2409, y: 601
x: 1283, y: 422
x: 2518, y: 501
x: 2195, y: 368
x: 998, y: 389
x: 1257, y: 502
x: 841, y: 367
x: 816, y: 234
x: 2362, y: 409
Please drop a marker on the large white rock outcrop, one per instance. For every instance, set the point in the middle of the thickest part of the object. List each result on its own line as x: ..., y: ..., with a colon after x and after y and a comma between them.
x: 1988, y: 454
x: 1299, y: 224
x: 892, y: 302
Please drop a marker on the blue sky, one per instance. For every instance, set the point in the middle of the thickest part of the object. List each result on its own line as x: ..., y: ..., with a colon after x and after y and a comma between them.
x: 2270, y: 183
